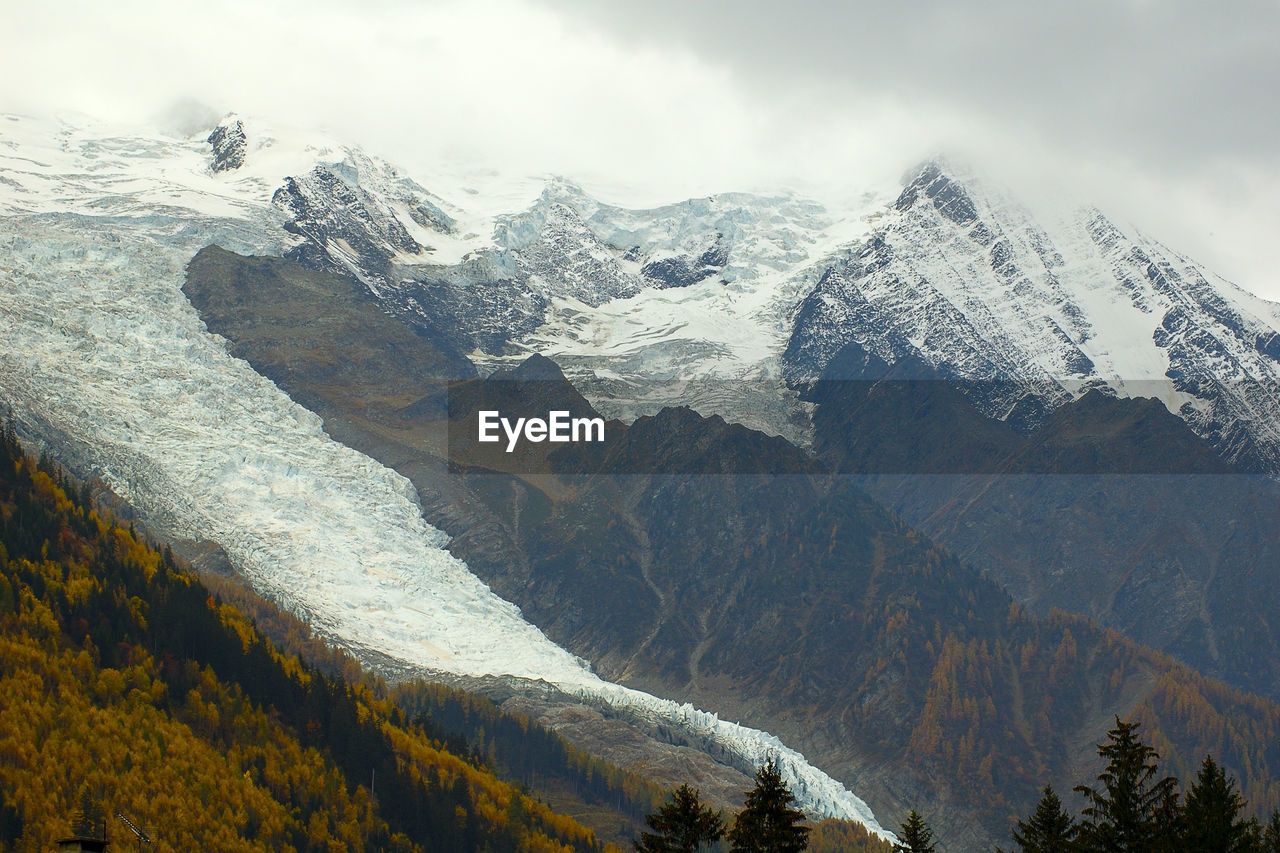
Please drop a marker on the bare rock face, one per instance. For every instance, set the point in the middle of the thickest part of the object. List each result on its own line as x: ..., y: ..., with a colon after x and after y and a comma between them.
x: 229, y: 144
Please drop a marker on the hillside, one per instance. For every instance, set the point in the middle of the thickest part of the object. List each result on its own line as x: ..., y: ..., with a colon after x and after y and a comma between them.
x: 1112, y: 508
x: 125, y: 678
x: 903, y: 667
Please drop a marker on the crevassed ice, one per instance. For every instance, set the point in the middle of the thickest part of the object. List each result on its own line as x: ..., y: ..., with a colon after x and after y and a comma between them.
x: 104, y: 347
x: 103, y: 352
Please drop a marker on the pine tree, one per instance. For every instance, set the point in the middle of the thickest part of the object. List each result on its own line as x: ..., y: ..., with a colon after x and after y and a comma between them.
x: 768, y: 823
x: 1135, y: 810
x: 10, y: 818
x: 1211, y: 821
x: 1271, y: 834
x: 91, y: 818
x: 683, y: 825
x: 1050, y: 829
x: 915, y: 836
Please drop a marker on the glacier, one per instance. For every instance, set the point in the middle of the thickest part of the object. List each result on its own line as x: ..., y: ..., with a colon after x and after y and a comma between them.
x: 104, y: 359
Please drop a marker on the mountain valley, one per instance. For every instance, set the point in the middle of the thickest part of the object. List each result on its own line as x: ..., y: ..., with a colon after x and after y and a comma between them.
x: 930, y: 488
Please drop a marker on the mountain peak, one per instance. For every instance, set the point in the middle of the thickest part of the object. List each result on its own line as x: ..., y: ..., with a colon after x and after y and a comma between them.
x: 564, y: 191
x: 537, y: 367
x: 934, y: 181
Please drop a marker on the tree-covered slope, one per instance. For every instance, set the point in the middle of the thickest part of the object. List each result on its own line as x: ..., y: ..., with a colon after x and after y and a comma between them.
x: 125, y: 679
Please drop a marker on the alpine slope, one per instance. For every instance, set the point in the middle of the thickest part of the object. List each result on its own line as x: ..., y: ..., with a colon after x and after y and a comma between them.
x: 104, y: 360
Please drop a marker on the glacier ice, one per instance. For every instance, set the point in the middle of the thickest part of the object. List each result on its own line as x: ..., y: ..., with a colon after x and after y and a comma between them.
x: 103, y: 357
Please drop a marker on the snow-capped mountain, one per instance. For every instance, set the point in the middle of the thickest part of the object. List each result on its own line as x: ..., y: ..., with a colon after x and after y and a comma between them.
x: 966, y: 280
x: 722, y: 302
x: 719, y: 303
x: 104, y: 359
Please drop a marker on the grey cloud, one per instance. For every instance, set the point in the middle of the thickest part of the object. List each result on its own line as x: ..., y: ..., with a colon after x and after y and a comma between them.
x: 1175, y: 81
x: 1165, y: 112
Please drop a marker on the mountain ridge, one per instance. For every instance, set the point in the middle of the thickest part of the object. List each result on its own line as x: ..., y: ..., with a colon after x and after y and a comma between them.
x: 951, y: 278
x: 661, y: 577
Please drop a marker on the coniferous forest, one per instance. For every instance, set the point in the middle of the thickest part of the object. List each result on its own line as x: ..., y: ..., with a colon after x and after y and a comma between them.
x: 208, y: 718
x: 127, y: 686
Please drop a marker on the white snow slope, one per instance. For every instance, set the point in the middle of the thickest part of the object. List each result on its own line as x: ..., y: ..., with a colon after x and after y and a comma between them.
x: 965, y: 279
x: 102, y: 356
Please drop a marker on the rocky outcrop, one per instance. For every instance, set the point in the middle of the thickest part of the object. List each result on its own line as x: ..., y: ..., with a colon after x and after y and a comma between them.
x: 684, y: 270
x: 229, y: 144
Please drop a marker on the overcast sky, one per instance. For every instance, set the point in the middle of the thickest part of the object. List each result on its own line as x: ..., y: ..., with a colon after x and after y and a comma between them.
x: 1164, y: 113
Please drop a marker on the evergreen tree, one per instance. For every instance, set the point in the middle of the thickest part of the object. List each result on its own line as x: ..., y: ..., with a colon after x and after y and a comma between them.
x: 10, y: 820
x: 1211, y: 821
x: 1271, y: 834
x: 91, y: 818
x: 1135, y: 810
x: 683, y: 825
x: 915, y: 836
x: 768, y: 823
x: 1050, y: 829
